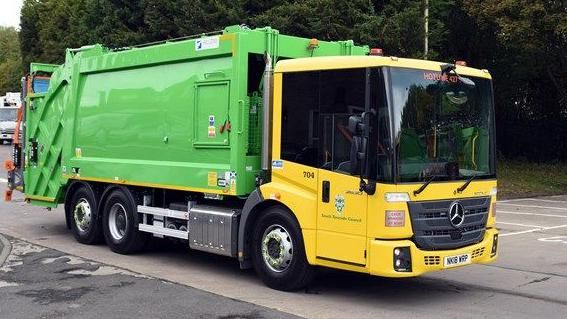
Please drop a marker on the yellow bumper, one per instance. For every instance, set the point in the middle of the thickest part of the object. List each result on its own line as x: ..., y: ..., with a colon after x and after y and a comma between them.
x: 381, y: 257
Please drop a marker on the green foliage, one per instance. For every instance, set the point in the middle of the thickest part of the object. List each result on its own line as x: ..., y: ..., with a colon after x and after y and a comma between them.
x: 522, y: 42
x: 10, y: 73
x: 530, y: 68
x: 323, y: 19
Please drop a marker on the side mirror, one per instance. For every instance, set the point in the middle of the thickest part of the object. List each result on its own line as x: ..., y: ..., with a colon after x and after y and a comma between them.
x: 357, y: 154
x: 355, y: 125
x: 359, y: 148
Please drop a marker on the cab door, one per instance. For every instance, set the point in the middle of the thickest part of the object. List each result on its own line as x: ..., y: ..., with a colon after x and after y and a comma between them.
x: 341, y: 207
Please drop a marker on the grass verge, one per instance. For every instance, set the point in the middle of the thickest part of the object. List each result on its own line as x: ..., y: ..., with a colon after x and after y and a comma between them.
x: 525, y: 179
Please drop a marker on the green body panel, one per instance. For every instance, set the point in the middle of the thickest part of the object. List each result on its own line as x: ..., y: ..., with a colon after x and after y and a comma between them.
x: 158, y: 115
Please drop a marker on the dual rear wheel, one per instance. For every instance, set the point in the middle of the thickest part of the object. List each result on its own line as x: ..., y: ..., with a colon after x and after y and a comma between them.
x: 82, y: 213
x: 116, y: 222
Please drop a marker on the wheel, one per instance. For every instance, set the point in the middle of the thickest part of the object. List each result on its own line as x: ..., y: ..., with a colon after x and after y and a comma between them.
x: 83, y: 216
x: 278, y: 251
x: 120, y: 223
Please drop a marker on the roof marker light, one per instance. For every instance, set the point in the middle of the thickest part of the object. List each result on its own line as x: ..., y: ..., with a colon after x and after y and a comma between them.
x: 313, y: 44
x: 377, y: 52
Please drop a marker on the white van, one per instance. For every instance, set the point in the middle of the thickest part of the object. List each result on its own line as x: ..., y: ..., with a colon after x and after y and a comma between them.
x: 8, y: 117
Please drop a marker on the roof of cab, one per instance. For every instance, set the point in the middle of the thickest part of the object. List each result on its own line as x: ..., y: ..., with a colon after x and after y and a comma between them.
x: 350, y: 62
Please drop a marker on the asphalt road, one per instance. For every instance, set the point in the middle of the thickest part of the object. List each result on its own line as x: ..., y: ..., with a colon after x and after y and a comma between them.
x: 38, y: 282
x: 528, y: 281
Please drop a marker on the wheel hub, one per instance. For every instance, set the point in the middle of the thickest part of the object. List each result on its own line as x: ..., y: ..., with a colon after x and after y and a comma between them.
x: 82, y: 215
x: 117, y: 221
x: 277, y: 248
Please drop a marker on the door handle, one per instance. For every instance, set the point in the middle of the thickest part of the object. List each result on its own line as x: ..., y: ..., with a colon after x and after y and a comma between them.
x: 326, y: 191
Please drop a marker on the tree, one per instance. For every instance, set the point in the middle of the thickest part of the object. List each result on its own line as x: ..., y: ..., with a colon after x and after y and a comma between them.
x: 323, y: 19
x: 29, y: 34
x: 10, y: 64
x: 521, y: 42
x: 530, y: 71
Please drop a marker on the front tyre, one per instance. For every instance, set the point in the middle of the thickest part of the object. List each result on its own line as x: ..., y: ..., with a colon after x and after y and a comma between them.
x: 278, y: 251
x: 120, y: 223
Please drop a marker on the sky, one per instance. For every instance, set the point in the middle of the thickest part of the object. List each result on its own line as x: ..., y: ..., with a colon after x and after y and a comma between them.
x: 10, y: 13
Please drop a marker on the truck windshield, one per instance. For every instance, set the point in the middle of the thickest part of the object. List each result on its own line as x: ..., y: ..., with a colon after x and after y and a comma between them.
x: 443, y: 125
x: 8, y: 115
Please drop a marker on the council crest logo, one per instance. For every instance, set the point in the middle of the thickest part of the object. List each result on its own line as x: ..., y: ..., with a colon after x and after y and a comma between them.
x: 339, y: 203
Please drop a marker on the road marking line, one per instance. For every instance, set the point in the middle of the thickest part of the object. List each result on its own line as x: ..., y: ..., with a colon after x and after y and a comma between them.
x: 532, y: 230
x: 554, y: 239
x: 530, y: 214
x: 510, y: 200
x: 547, y: 200
x: 522, y: 225
x: 532, y: 199
x: 535, y: 206
x: 3, y: 180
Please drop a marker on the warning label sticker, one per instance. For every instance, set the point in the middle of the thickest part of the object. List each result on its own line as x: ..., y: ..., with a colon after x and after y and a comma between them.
x: 212, y: 131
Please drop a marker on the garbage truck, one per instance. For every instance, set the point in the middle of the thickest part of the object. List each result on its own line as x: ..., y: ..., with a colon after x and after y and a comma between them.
x: 286, y: 153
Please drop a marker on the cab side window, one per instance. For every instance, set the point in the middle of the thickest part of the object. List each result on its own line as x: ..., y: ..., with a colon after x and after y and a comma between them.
x: 316, y: 107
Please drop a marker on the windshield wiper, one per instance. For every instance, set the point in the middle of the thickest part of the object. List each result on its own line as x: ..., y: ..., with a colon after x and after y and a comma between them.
x: 466, y: 184
x: 419, y: 190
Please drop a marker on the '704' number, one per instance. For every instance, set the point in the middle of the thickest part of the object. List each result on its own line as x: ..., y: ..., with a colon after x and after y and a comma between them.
x: 308, y: 174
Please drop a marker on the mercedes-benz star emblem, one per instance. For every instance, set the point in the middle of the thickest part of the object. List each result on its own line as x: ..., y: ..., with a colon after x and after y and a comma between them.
x: 456, y: 214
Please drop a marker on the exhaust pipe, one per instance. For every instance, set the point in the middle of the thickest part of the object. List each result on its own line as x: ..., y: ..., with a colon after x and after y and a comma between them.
x: 266, y: 105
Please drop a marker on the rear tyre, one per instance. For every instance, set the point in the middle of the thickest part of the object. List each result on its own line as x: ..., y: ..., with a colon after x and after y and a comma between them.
x: 278, y: 251
x: 83, y: 216
x: 120, y: 223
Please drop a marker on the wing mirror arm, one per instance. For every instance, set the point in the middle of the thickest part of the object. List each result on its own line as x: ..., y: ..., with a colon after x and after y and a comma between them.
x: 359, y: 128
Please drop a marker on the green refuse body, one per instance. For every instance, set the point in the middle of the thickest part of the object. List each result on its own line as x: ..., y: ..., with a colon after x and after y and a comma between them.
x: 183, y: 114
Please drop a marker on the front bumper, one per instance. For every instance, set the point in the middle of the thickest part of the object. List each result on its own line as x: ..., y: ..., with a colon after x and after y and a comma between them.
x: 381, y: 257
x: 6, y: 136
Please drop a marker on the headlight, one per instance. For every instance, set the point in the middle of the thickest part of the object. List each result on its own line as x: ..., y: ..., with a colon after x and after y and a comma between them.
x: 396, y: 197
x: 402, y: 259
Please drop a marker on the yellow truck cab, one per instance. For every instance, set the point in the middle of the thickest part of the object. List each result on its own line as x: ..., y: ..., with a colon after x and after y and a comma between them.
x: 421, y: 135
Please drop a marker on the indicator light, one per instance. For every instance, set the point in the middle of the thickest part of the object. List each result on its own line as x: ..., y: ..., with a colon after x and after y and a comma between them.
x: 313, y: 44
x: 377, y: 52
x: 494, y: 246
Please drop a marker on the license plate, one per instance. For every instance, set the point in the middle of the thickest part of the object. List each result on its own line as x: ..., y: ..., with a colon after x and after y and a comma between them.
x: 458, y: 260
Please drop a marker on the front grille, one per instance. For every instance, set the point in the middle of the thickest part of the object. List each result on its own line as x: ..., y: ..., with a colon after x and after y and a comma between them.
x: 433, y: 230
x: 8, y: 131
x: 446, y: 232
